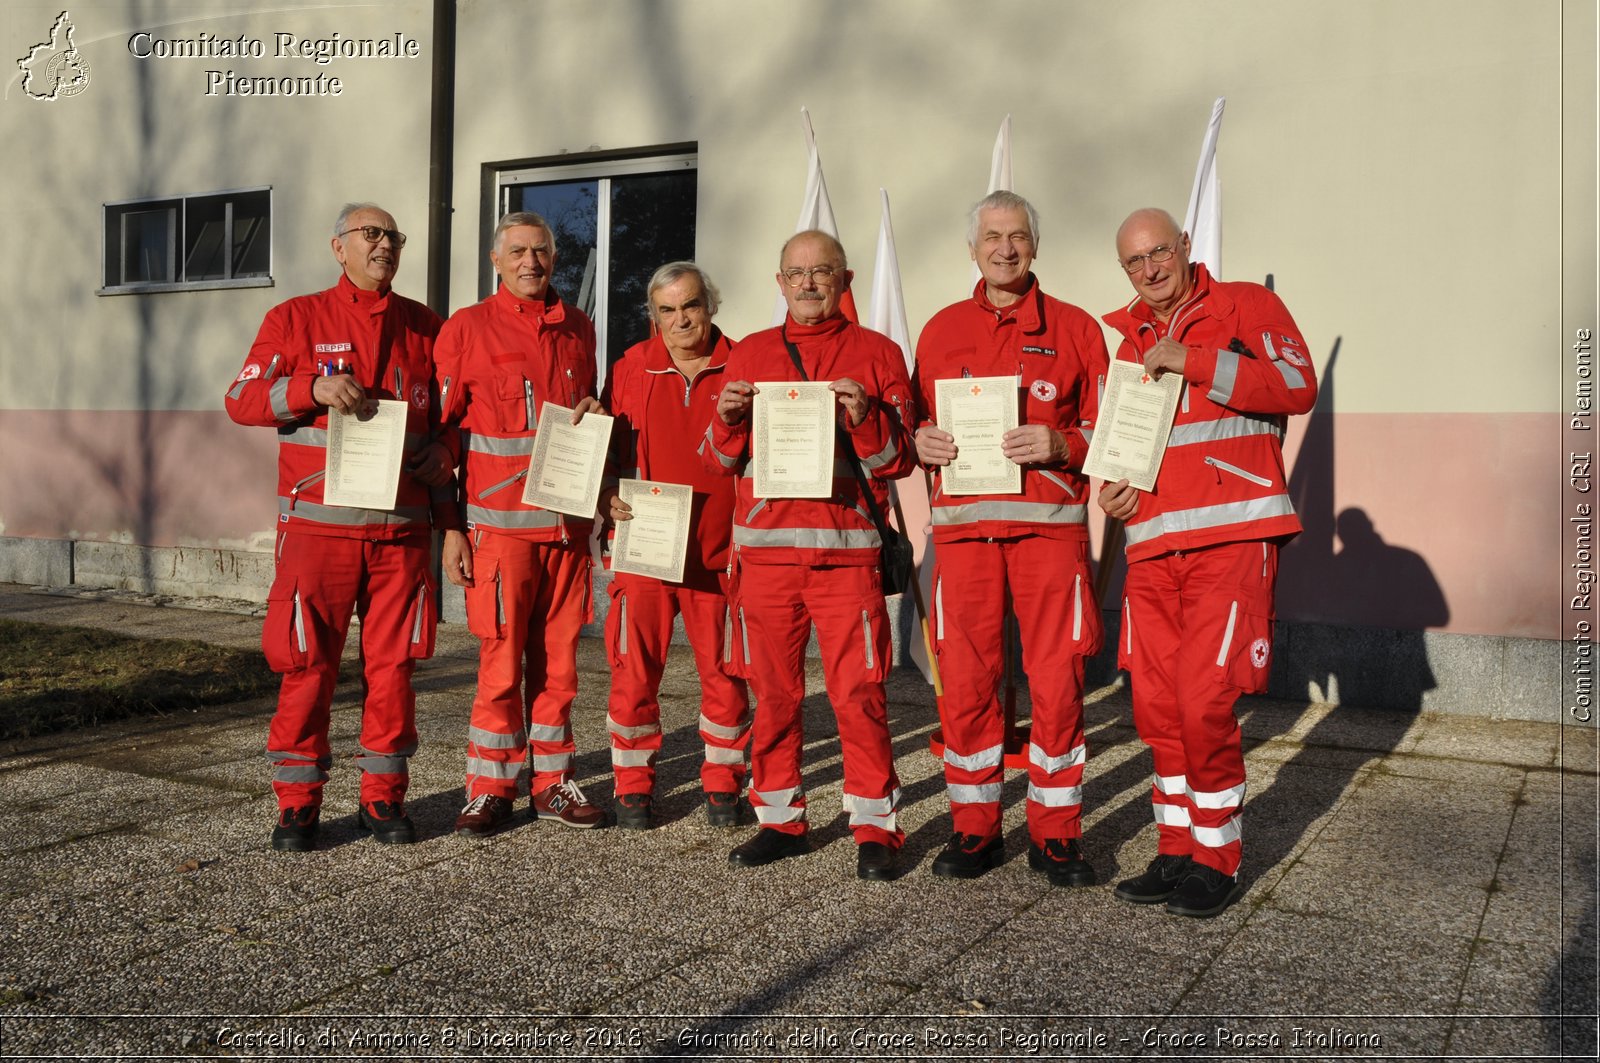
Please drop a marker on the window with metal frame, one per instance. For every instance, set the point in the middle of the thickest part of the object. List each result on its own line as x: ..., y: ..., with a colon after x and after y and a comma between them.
x: 181, y: 243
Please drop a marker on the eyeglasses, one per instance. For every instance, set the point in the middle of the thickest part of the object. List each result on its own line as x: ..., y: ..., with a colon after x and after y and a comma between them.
x: 796, y: 277
x: 1160, y: 254
x: 372, y: 234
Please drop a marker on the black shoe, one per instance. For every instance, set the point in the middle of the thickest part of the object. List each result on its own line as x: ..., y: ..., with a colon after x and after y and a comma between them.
x: 1062, y: 860
x: 767, y: 846
x: 722, y: 809
x: 875, y: 862
x: 633, y: 811
x: 387, y: 821
x: 969, y: 855
x: 1203, y: 893
x: 296, y: 831
x: 1158, y: 882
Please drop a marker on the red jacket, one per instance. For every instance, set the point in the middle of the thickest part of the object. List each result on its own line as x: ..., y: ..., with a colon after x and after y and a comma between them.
x: 1060, y: 354
x: 661, y: 418
x: 818, y: 531
x: 387, y: 341
x: 499, y: 361
x: 1222, y: 479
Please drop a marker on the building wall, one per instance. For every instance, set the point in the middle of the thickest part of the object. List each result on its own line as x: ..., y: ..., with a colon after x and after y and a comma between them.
x: 1394, y: 167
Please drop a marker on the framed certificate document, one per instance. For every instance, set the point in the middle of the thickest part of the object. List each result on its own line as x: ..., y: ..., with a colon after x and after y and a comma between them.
x: 978, y: 411
x: 656, y: 540
x: 792, y: 440
x: 567, y: 461
x: 1136, y: 414
x: 364, y: 455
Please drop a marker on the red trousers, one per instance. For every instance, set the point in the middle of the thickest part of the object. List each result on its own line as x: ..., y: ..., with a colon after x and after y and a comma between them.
x: 526, y: 605
x: 1196, y: 633
x: 1053, y: 598
x: 638, y: 633
x: 780, y: 603
x: 320, y: 581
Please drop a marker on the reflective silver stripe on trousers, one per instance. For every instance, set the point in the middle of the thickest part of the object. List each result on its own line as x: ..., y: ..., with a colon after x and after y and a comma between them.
x: 632, y: 758
x: 716, y: 730
x: 498, y: 446
x: 1055, y: 796
x: 346, y: 516
x: 1216, y: 837
x: 286, y: 773
x: 1229, y: 798
x: 1225, y: 428
x: 963, y: 794
x: 381, y: 765
x: 279, y: 395
x: 1171, y: 785
x: 541, y: 732
x: 807, y: 538
x: 480, y: 516
x: 722, y: 755
x: 1210, y: 517
x: 866, y: 635
x: 778, y: 806
x: 1072, y: 758
x: 554, y: 762
x: 992, y: 757
x: 872, y: 811
x: 491, y: 740
x: 1227, y: 635
x: 494, y: 769
x: 1223, y: 380
x: 641, y: 731
x: 1171, y: 815
x: 1025, y: 512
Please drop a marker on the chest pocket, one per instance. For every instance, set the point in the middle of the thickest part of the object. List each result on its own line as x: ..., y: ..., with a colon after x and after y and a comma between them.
x: 516, y: 397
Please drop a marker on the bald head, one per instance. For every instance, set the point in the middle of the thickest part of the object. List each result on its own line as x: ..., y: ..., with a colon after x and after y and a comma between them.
x: 1154, y: 252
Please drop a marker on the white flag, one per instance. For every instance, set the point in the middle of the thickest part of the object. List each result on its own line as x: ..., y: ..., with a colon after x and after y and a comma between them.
x: 816, y: 211
x: 999, y: 171
x: 1203, y: 220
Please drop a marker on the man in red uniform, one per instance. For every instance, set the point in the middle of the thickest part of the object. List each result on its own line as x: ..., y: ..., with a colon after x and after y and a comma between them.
x: 1202, y: 547
x: 1034, y: 543
x: 663, y: 394
x: 799, y: 562
x: 525, y: 569
x: 339, y: 349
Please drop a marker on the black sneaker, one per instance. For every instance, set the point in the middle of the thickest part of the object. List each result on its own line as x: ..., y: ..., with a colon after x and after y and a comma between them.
x: 387, y: 822
x: 634, y: 811
x: 969, y: 855
x: 1158, y: 882
x: 1062, y: 860
x: 722, y: 809
x: 296, y: 831
x: 1203, y: 893
x: 768, y: 846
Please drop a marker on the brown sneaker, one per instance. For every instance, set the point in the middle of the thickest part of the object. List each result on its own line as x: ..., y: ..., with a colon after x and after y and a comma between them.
x: 565, y: 803
x: 484, y: 815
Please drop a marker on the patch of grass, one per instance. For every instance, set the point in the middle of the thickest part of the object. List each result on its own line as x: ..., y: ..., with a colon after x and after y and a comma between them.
x: 55, y: 678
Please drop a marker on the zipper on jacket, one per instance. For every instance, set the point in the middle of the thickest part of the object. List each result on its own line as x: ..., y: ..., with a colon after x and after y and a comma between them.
x: 1217, y: 463
x: 399, y: 385
x: 503, y: 484
x: 1058, y: 481
x: 527, y: 400
x: 499, y: 603
x: 444, y: 397
x: 305, y: 481
x: 272, y: 367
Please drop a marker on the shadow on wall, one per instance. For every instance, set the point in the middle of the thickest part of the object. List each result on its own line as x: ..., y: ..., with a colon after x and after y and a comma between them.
x: 1341, y: 571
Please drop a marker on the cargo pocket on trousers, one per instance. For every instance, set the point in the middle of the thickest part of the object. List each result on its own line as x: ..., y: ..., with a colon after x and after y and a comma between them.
x: 1246, y: 653
x: 486, y: 611
x: 285, y: 638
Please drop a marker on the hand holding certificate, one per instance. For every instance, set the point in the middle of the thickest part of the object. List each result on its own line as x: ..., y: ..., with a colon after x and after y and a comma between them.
x: 1130, y: 436
x: 978, y: 411
x: 567, y: 462
x: 655, y: 540
x: 364, y: 453
x: 792, y: 440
